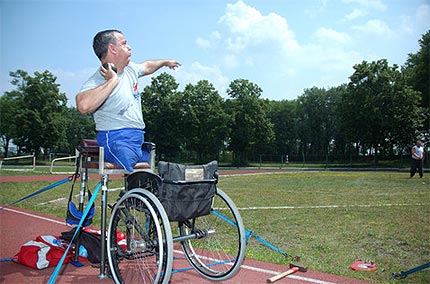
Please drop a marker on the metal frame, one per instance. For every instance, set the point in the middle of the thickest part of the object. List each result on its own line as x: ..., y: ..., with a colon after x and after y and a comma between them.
x: 87, y: 153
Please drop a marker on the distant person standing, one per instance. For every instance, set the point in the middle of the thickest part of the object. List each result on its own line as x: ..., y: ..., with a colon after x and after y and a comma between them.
x: 417, y: 159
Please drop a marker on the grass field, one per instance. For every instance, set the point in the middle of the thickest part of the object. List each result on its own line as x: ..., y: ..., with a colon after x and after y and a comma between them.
x: 329, y: 219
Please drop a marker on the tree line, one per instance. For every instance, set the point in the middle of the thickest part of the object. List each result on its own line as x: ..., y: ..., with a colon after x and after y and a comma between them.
x: 379, y: 112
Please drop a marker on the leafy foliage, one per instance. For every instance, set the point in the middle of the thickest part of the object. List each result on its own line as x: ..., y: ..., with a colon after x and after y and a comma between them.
x: 204, y: 121
x: 251, y: 128
x: 8, y: 111
x: 39, y: 107
x: 162, y: 117
x: 386, y: 109
x: 317, y: 121
x: 417, y: 72
x: 76, y: 127
x: 283, y: 115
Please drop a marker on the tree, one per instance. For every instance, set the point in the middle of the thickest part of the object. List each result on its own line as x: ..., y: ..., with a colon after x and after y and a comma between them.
x: 162, y: 115
x: 204, y: 120
x: 310, y: 121
x: 76, y: 127
x: 383, y: 108
x: 8, y: 111
x: 251, y: 130
x: 283, y: 115
x: 342, y: 147
x: 317, y: 121
x: 417, y: 71
x: 39, y: 106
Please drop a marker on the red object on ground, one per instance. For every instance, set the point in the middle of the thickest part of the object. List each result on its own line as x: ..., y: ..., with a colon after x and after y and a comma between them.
x: 363, y: 265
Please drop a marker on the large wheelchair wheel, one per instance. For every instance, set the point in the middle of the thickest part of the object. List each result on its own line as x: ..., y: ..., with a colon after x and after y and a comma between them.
x: 219, y: 253
x: 139, y: 242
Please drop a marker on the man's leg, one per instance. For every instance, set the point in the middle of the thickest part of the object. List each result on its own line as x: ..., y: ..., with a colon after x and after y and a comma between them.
x: 413, y: 168
x: 420, y: 168
x: 122, y: 147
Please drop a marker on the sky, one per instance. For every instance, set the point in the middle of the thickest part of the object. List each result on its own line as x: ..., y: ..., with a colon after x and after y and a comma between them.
x: 283, y: 46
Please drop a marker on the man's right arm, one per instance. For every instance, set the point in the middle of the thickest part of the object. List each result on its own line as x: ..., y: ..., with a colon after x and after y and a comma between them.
x: 90, y: 100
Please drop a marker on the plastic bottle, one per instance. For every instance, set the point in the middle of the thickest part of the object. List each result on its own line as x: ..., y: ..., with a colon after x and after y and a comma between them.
x: 83, y: 251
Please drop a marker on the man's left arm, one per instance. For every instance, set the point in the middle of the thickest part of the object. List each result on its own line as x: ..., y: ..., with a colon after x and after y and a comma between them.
x: 151, y: 66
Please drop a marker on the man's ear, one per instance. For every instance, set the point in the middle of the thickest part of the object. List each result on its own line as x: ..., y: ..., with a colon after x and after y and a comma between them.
x: 112, y: 49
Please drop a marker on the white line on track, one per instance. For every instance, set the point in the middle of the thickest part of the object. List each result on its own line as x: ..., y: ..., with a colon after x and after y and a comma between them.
x: 36, y: 216
x: 272, y: 272
x: 333, y: 206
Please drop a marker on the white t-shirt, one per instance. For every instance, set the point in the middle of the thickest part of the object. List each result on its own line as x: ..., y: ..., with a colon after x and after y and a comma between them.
x: 419, y: 152
x: 123, y: 107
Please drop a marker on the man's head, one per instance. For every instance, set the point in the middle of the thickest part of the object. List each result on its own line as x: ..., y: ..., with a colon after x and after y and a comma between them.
x: 111, y: 46
x: 102, y: 40
x: 419, y: 143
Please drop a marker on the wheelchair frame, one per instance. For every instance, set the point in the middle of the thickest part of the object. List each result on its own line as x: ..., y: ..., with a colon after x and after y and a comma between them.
x: 197, y: 236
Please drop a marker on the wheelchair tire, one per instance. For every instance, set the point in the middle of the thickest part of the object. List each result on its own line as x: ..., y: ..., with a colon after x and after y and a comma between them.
x: 219, y: 255
x: 139, y: 242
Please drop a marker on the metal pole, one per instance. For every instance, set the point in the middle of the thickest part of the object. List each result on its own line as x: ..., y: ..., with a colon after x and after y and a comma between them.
x: 81, y: 209
x: 34, y: 162
x: 104, y: 182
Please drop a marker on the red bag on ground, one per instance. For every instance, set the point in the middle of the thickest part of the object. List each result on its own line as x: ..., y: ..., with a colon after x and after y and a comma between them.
x: 43, y: 252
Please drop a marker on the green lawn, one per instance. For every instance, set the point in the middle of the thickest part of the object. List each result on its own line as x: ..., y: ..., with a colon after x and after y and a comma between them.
x: 329, y: 219
x: 376, y: 216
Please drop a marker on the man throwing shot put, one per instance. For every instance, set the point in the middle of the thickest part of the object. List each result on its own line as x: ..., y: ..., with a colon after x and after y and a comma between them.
x: 112, y: 96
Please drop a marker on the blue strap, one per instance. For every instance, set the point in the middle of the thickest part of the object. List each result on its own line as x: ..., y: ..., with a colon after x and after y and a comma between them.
x: 405, y: 274
x: 216, y: 213
x: 181, y: 270
x: 51, y: 186
x: 269, y: 245
x: 207, y: 265
x: 87, y: 209
x: 250, y: 233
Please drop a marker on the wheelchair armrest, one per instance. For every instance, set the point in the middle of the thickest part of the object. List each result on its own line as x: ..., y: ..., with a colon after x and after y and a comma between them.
x: 89, y: 143
x: 90, y: 147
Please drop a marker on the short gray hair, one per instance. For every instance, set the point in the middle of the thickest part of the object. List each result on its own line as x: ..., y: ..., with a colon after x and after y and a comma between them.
x: 102, y: 40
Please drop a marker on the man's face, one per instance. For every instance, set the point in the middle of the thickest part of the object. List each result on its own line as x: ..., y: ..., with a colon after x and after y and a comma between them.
x: 419, y: 143
x: 122, y: 49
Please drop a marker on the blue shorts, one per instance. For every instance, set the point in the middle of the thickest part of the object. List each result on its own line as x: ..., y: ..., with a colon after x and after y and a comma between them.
x: 123, y: 147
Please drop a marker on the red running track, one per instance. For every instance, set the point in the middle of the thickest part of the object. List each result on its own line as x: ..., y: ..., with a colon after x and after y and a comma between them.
x: 19, y: 226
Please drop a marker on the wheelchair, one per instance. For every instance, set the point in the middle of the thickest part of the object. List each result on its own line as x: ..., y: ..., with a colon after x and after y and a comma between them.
x: 140, y: 243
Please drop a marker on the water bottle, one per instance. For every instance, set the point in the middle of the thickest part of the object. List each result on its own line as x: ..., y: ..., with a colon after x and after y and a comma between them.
x: 83, y: 251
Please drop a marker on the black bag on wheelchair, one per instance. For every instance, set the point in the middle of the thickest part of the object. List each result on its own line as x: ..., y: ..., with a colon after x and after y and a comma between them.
x: 187, y: 191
